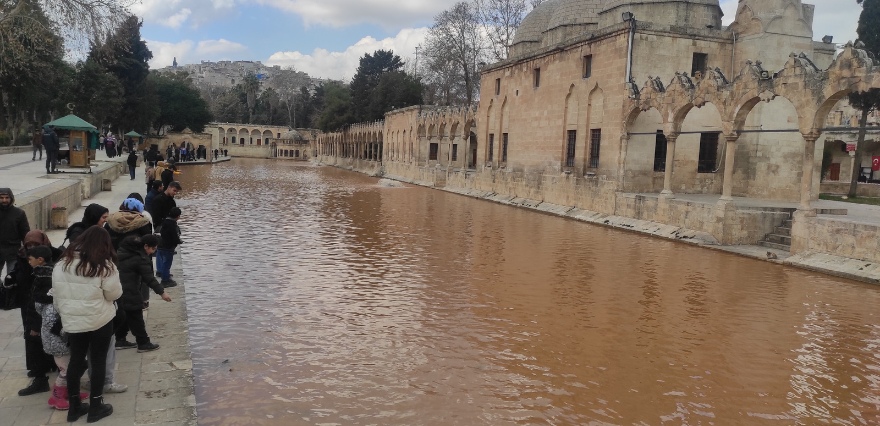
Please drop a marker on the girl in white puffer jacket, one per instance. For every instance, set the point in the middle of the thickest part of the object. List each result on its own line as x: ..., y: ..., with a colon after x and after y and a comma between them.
x: 85, y: 283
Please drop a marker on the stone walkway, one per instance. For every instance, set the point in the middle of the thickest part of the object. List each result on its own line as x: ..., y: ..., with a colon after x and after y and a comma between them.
x: 160, y: 383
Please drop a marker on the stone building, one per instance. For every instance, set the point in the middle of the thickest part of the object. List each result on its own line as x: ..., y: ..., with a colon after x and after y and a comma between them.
x: 636, y: 108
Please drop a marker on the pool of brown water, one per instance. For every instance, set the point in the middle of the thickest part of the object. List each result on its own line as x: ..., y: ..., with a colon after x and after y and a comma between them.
x: 317, y: 296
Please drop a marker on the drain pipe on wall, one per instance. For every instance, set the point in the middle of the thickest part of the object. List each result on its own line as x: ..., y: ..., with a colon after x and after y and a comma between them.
x: 733, y: 57
x: 629, y: 17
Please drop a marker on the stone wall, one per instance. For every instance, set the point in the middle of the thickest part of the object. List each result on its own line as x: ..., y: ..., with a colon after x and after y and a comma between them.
x: 842, y: 188
x: 68, y: 193
x: 838, y: 237
x: 178, y: 138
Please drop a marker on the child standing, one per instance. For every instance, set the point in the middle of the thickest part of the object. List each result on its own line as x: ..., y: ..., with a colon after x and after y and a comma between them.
x: 53, y: 337
x: 170, y: 241
x: 136, y: 272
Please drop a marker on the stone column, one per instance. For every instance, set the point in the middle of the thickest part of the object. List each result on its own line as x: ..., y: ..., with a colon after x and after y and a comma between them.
x: 670, y: 165
x: 807, y: 172
x: 621, y: 165
x: 729, y: 157
x: 852, y: 162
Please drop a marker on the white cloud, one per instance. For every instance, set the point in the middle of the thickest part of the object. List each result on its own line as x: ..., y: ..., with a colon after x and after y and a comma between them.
x: 176, y: 13
x: 338, y: 13
x: 189, y: 52
x: 342, y: 65
x: 333, y: 13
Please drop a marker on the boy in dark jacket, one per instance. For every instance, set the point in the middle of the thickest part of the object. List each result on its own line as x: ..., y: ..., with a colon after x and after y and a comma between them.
x: 135, y: 274
x: 170, y: 240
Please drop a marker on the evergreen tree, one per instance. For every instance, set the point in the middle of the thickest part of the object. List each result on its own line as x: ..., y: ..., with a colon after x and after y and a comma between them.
x: 180, y: 104
x: 337, y: 107
x: 125, y: 55
x: 365, y: 81
x: 97, y: 94
x: 869, y: 34
x: 394, y: 90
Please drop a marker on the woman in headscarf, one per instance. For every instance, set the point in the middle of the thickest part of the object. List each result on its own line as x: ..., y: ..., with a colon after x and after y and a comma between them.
x: 85, y: 283
x: 128, y: 221
x: 95, y: 214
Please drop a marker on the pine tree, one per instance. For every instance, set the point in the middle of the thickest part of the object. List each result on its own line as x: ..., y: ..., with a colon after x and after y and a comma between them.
x: 125, y: 55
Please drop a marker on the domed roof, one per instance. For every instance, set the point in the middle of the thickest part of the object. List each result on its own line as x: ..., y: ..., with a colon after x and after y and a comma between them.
x: 575, y: 12
x: 535, y: 23
x: 292, y: 135
x: 610, y: 4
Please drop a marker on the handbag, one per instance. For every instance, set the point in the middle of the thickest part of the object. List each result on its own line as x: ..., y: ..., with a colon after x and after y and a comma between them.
x: 8, y: 295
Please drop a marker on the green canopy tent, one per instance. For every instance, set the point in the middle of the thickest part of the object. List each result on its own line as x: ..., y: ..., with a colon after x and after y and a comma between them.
x: 72, y: 122
x: 139, y: 138
x: 80, y: 137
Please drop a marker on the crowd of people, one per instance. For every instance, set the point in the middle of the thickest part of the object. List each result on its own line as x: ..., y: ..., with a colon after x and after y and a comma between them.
x: 80, y: 301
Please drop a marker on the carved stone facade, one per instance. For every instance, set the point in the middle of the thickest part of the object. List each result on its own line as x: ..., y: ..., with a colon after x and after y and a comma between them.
x: 620, y: 106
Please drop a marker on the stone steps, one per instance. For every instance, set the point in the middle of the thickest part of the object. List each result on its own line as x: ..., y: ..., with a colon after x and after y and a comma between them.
x: 780, y: 238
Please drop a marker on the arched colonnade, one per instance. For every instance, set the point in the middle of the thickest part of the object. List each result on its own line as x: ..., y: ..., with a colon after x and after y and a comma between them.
x: 812, y: 93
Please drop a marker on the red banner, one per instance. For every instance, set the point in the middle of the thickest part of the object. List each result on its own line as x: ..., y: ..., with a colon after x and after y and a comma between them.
x: 875, y: 164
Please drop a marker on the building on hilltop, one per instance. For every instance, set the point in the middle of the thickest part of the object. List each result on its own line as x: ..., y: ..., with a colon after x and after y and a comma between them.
x: 227, y: 74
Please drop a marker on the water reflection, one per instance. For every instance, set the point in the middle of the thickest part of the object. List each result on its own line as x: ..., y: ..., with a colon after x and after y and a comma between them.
x: 317, y: 296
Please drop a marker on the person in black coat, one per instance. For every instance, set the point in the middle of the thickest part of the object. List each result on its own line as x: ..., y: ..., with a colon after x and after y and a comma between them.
x: 170, y: 241
x: 95, y: 214
x: 13, y: 228
x: 136, y: 275
x: 162, y: 204
x: 168, y: 174
x: 132, y: 163
x: 52, y: 145
x: 37, y: 362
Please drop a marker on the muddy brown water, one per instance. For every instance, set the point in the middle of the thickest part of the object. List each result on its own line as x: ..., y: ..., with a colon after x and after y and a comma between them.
x: 317, y: 296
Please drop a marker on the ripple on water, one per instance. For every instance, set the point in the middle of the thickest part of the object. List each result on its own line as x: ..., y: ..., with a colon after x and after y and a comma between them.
x: 319, y: 296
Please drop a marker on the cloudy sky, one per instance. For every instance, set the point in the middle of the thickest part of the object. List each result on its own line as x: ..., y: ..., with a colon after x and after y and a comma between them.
x: 325, y: 38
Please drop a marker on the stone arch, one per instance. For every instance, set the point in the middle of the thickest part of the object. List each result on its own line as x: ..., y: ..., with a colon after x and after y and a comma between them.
x: 491, y: 131
x: 642, y: 149
x: 826, y: 107
x: 699, y: 148
x: 772, y: 147
x: 570, y: 124
x: 243, y: 136
x: 267, y: 136
x: 595, y: 120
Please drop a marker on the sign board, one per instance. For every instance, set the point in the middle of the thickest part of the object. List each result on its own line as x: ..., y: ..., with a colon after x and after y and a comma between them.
x: 850, y: 147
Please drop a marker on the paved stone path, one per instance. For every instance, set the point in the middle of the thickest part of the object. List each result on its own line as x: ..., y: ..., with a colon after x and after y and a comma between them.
x: 160, y: 383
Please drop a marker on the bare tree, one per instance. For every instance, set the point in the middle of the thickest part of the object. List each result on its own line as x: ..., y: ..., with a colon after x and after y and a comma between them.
x: 457, y: 37
x: 78, y: 21
x: 501, y: 18
x: 287, y: 84
x: 536, y: 3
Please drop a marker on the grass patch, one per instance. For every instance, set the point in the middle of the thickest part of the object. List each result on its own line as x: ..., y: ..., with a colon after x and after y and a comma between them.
x: 860, y: 200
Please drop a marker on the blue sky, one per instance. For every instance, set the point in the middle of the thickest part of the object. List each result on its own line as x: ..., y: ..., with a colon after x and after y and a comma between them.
x: 326, y: 37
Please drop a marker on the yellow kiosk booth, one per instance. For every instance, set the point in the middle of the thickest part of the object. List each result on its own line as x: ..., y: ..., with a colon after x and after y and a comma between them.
x: 77, y: 139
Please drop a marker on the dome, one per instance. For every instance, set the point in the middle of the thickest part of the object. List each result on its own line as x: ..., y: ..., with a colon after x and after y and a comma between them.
x: 575, y: 12
x: 699, y: 14
x: 292, y: 135
x: 535, y: 23
x: 611, y: 4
